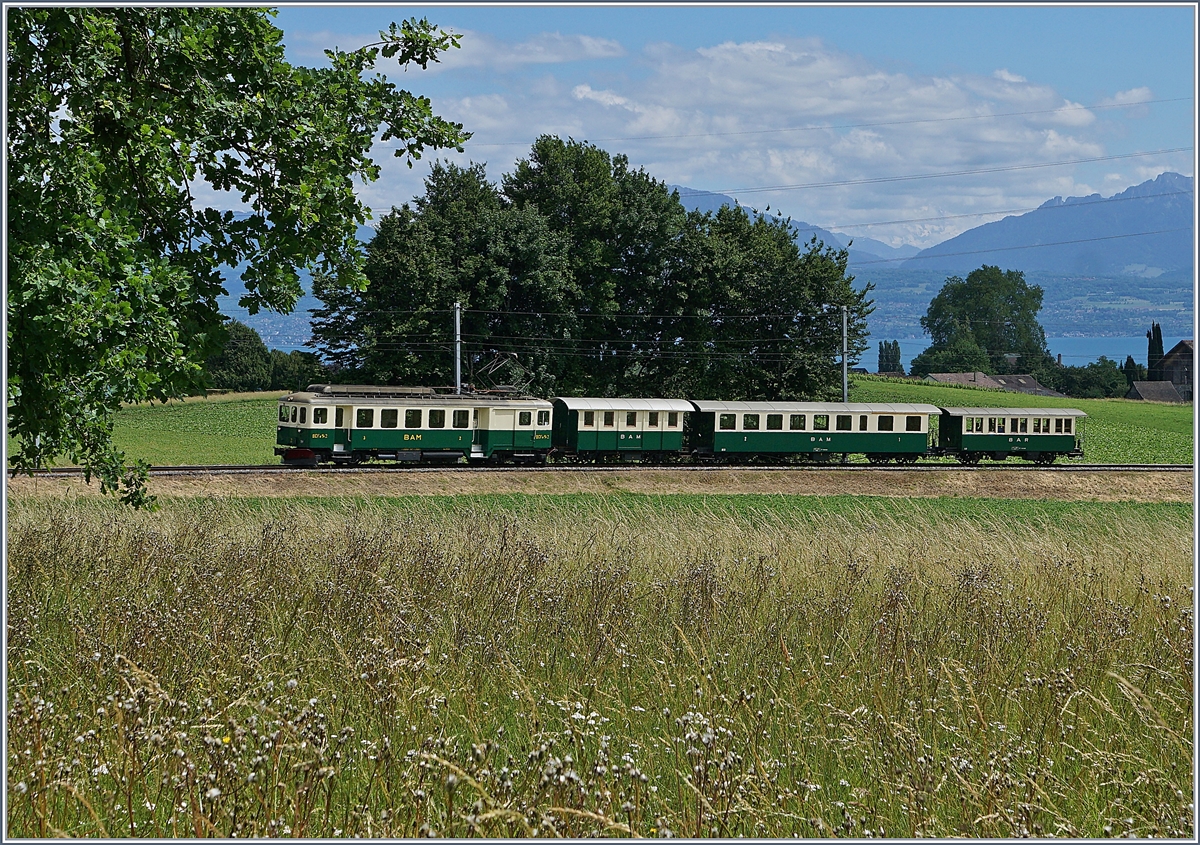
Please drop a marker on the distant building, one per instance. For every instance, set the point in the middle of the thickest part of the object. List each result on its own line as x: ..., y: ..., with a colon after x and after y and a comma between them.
x: 1020, y: 383
x: 1155, y: 391
x: 1176, y: 367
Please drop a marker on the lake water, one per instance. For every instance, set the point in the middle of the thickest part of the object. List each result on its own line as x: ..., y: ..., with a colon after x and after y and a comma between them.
x: 1075, y: 351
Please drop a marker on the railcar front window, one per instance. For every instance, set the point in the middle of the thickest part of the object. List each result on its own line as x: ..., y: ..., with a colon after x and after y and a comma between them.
x: 749, y: 422
x: 462, y: 418
x: 303, y: 416
x: 320, y: 416
x: 437, y: 418
x: 844, y: 422
x: 283, y: 413
x: 796, y: 423
x: 294, y: 411
x: 412, y: 418
x: 365, y: 418
x: 774, y: 422
x: 728, y: 422
x: 820, y: 422
x: 912, y: 423
x: 886, y: 423
x: 543, y: 418
x: 389, y: 418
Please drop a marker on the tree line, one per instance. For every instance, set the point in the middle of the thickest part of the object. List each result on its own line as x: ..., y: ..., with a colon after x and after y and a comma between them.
x: 580, y: 275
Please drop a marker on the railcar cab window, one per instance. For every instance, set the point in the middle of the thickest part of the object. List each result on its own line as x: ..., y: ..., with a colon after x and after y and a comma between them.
x: 844, y: 422
x: 652, y: 419
x: 462, y: 418
x: 774, y: 422
x: 412, y: 418
x: 543, y: 418
x: 283, y: 413
x: 631, y: 419
x: 796, y: 423
x: 672, y: 419
x: 912, y: 423
x: 886, y: 423
x: 610, y: 419
x: 389, y: 417
x: 589, y: 418
x: 525, y: 418
x: 820, y: 422
x: 749, y: 422
x: 294, y: 411
x: 437, y: 418
x: 365, y: 418
x: 728, y: 422
x: 320, y: 416
x: 303, y: 415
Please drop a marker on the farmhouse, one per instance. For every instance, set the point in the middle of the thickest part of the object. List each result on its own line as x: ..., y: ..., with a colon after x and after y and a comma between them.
x: 1021, y: 383
x: 1176, y: 367
x: 1154, y: 391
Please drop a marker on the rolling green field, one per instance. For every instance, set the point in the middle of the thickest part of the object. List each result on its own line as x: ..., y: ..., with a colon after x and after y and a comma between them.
x: 583, y: 665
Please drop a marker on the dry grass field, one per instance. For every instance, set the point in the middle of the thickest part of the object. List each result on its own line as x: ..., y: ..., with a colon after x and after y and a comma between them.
x: 649, y: 665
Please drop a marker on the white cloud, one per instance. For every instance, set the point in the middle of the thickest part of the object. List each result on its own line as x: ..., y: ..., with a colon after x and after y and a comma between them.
x: 1133, y: 96
x: 1004, y: 75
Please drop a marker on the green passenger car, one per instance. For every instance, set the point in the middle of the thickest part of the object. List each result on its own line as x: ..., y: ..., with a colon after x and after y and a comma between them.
x: 626, y: 429
x: 883, y: 432
x: 352, y: 423
x: 1035, y: 434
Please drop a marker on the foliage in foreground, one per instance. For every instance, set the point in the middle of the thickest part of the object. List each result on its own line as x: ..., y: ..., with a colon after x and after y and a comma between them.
x: 582, y: 666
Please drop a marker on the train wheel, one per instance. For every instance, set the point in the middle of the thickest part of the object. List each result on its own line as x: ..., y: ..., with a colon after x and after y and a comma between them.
x: 969, y: 458
x: 878, y: 459
x: 1046, y: 458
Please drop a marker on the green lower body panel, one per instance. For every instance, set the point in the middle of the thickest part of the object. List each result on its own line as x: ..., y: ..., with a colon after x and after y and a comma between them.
x: 816, y: 442
x: 1019, y: 444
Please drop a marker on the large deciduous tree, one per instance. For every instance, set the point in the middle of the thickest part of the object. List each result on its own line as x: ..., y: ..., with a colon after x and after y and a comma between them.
x: 124, y: 124
x: 986, y: 322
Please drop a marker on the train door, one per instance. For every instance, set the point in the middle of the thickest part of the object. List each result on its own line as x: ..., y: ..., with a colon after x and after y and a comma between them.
x: 630, y: 424
x: 341, y: 428
x: 502, y: 427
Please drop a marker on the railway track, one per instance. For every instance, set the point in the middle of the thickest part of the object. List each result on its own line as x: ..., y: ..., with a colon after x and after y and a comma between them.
x: 70, y: 472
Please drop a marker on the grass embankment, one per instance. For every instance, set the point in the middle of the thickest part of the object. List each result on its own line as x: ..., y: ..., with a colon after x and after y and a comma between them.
x: 504, y: 666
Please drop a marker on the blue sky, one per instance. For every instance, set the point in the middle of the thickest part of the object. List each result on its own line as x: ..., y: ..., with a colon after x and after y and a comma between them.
x: 740, y: 99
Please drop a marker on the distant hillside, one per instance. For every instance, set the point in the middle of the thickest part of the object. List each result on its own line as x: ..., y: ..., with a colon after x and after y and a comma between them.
x: 1143, y: 232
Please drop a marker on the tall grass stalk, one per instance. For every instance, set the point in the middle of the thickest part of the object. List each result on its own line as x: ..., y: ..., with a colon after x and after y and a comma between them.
x: 589, y: 665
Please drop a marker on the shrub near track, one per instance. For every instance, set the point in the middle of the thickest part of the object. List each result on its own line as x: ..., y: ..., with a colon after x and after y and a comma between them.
x: 510, y: 666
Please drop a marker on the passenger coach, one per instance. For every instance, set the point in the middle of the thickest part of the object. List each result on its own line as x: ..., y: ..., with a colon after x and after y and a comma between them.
x: 1035, y: 434
x: 632, y: 429
x: 734, y: 430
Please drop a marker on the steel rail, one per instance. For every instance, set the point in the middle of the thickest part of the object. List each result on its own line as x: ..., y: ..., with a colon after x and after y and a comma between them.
x: 237, y: 469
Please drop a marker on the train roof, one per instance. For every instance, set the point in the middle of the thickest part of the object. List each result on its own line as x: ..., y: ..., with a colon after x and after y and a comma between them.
x: 814, y: 407
x: 1014, y: 412
x: 583, y: 403
x: 401, y: 396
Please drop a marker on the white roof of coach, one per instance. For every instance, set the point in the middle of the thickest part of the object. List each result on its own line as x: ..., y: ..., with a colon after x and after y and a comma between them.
x: 1014, y: 412
x: 580, y: 403
x: 814, y: 407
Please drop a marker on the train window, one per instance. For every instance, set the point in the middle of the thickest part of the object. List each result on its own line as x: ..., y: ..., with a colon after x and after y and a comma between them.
x: 339, y: 417
x: 968, y: 424
x: 886, y: 423
x: 389, y: 418
x: 437, y: 418
x: 412, y: 418
x: 303, y: 416
x: 294, y: 410
x: 652, y: 419
x: 1037, y: 425
x: 610, y: 418
x: 462, y: 418
x: 728, y: 422
x: 999, y: 425
x: 979, y: 425
x: 1058, y: 426
x: 749, y: 422
x: 1024, y: 425
x: 589, y: 418
x: 365, y: 418
x: 1066, y: 426
x: 672, y: 419
x: 525, y: 418
x: 862, y: 423
x: 543, y: 418
x: 844, y: 422
x: 820, y: 422
x: 630, y: 419
x: 320, y: 416
x: 1045, y: 425
x: 1013, y: 423
x: 991, y: 425
x: 912, y: 423
x: 774, y: 422
x: 283, y: 413
x: 796, y: 423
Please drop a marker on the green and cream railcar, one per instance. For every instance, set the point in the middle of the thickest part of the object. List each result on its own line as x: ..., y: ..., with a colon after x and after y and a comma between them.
x: 352, y: 423
x: 629, y: 429
x: 883, y: 432
x: 1035, y: 434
